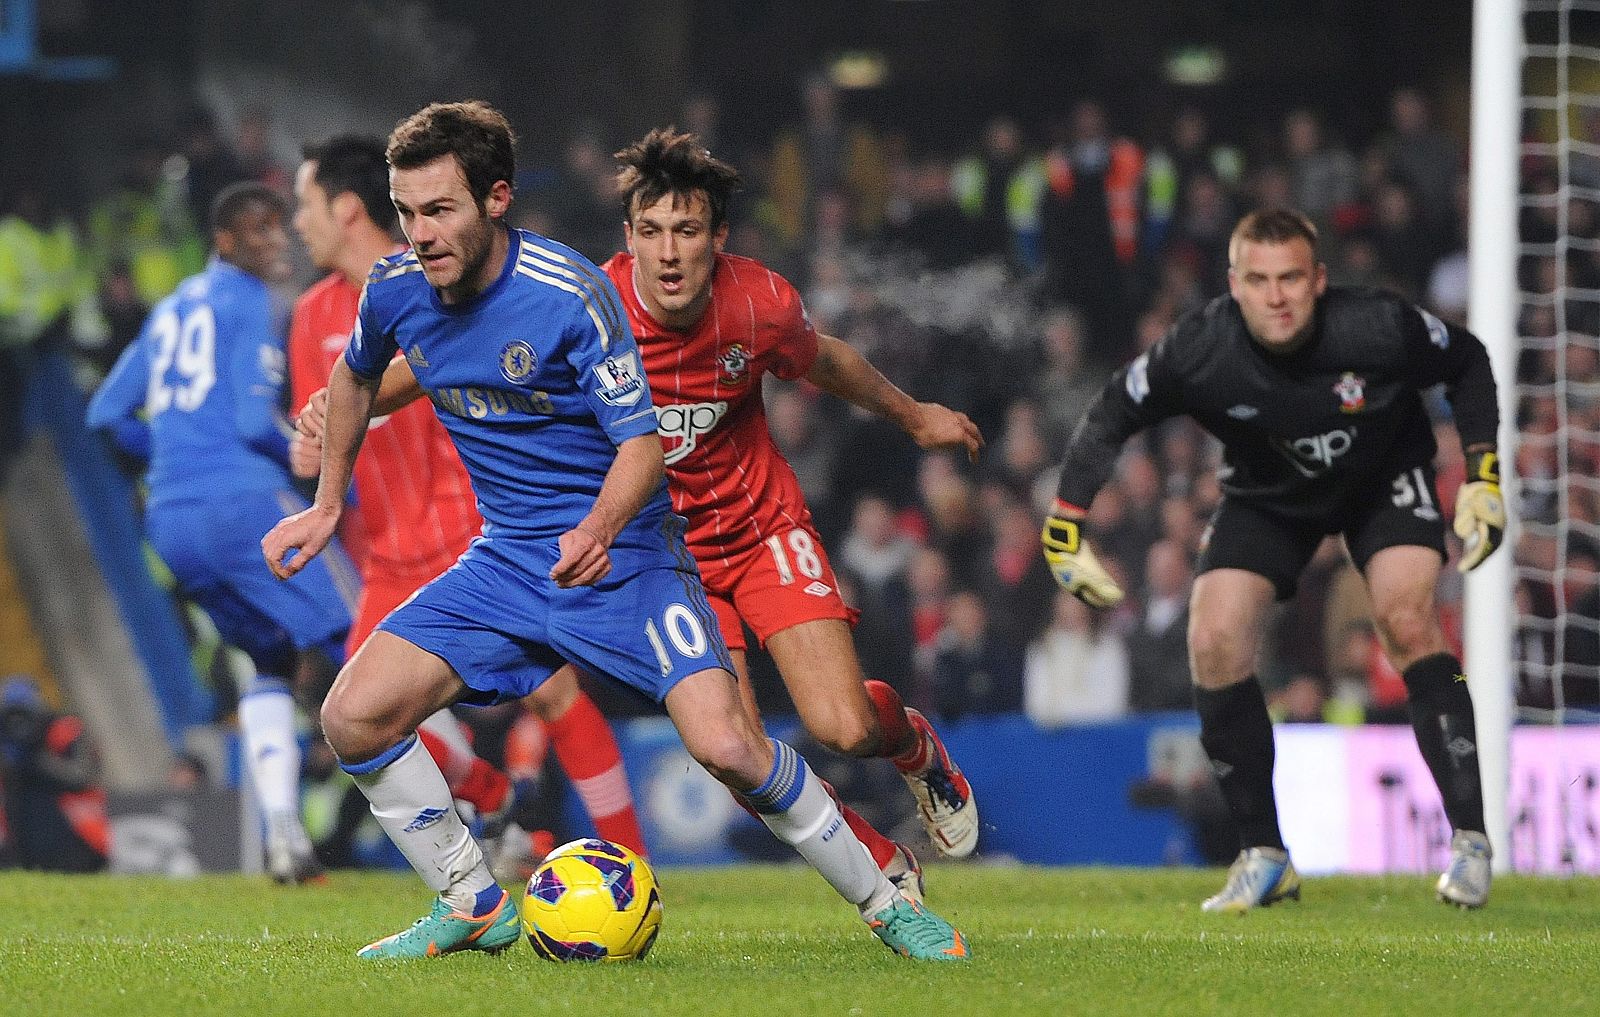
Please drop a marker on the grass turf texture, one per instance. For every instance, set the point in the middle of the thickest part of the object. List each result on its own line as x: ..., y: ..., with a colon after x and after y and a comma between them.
x: 769, y: 941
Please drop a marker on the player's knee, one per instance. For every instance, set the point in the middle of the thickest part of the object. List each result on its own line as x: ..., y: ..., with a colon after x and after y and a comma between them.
x: 336, y: 726
x: 848, y: 735
x: 732, y: 754
x: 1219, y: 656
x: 353, y: 735
x: 1409, y: 631
x: 726, y: 758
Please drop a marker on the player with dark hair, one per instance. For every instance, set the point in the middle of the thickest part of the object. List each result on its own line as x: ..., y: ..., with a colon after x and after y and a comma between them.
x: 414, y: 498
x: 710, y: 324
x: 1314, y: 392
x: 198, y: 395
x: 523, y: 348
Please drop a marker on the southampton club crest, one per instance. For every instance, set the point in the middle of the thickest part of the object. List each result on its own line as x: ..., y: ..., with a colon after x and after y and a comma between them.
x: 1351, y: 391
x: 518, y: 362
x: 733, y: 365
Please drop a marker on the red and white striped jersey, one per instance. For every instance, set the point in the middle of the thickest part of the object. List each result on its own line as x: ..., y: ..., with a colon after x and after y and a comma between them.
x: 726, y: 475
x: 413, y: 494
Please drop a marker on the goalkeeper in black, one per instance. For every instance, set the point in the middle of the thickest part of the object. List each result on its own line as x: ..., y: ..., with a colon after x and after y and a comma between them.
x: 1314, y: 392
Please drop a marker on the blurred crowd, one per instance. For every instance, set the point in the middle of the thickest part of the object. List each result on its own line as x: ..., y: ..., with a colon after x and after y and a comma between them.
x: 1006, y: 274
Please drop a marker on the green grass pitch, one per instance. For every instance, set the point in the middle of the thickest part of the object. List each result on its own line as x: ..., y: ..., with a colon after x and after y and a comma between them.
x: 773, y: 941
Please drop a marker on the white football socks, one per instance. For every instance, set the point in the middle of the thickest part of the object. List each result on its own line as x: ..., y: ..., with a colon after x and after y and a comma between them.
x: 272, y: 749
x: 412, y: 803
x: 797, y: 809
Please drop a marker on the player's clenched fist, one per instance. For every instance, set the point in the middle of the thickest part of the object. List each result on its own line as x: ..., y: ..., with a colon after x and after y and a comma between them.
x: 1480, y: 510
x: 1073, y: 564
x: 298, y: 538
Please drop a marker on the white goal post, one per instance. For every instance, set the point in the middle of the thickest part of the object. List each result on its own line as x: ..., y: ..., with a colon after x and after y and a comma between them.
x: 1490, y: 614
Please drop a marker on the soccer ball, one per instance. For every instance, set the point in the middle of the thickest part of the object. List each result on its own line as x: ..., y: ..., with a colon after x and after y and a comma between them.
x: 592, y: 900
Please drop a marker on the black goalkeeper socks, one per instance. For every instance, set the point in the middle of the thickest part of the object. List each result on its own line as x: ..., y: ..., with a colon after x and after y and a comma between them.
x: 1441, y: 715
x: 1237, y: 735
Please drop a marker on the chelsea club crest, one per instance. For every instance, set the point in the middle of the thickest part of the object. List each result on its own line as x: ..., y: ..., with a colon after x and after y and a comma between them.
x: 517, y: 361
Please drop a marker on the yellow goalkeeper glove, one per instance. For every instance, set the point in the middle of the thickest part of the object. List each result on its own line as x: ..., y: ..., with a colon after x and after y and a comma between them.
x: 1480, y: 510
x: 1074, y: 565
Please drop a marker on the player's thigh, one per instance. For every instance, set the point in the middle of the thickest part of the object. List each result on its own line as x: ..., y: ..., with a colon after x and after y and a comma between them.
x: 1228, y: 611
x: 1250, y: 558
x: 649, y: 629
x: 384, y: 692
x: 1401, y: 580
x: 705, y: 709
x: 1395, y: 537
x: 489, y: 620
x: 555, y: 695
x: 818, y: 662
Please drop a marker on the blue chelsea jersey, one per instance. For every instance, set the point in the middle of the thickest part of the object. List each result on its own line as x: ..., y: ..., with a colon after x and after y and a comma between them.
x: 537, y: 379
x: 207, y: 370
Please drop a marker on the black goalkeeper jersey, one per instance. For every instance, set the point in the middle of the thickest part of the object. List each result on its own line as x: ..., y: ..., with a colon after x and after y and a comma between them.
x: 1304, y: 431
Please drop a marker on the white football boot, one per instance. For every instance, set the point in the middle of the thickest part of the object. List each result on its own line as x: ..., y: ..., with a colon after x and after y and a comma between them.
x: 1260, y: 876
x: 1466, y: 882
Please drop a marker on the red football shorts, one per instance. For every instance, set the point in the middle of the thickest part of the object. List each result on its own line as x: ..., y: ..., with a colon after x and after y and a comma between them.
x: 779, y: 583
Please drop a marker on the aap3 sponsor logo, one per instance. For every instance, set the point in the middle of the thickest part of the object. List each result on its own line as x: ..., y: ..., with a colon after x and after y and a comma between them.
x: 685, y: 423
x: 1315, y: 454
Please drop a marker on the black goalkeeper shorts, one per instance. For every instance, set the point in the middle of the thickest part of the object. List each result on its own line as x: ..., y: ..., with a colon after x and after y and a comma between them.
x: 1247, y: 534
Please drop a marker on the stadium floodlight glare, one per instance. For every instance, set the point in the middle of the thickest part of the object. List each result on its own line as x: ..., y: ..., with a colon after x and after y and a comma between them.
x: 1195, y: 65
x: 859, y: 69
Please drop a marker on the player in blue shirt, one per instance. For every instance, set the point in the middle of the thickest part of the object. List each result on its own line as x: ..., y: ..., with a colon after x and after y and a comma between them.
x: 526, y: 354
x: 198, y: 394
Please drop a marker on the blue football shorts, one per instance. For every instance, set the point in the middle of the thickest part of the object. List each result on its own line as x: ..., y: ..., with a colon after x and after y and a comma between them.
x: 214, y: 552
x: 504, y: 626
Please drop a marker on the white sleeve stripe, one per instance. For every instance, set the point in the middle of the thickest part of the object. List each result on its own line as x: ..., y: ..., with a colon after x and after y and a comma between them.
x: 648, y: 410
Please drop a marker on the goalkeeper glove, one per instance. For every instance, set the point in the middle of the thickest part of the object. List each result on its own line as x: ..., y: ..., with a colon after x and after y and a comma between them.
x: 1074, y: 565
x: 1480, y: 511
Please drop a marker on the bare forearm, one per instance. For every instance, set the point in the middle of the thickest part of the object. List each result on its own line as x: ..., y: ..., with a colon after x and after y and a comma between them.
x: 841, y: 371
x: 635, y: 475
x: 350, y: 401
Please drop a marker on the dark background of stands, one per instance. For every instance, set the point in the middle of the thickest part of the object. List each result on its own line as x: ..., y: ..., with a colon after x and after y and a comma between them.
x: 952, y: 63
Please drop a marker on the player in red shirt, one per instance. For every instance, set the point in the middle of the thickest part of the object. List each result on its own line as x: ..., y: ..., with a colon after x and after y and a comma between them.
x: 709, y: 325
x: 415, y: 502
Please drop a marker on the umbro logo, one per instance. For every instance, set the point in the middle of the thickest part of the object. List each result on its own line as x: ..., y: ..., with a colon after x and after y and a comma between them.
x: 819, y: 589
x: 425, y: 819
x: 1242, y: 412
x: 1460, y: 748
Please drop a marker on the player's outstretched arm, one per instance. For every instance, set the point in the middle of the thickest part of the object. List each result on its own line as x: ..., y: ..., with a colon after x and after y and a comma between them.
x: 841, y: 371
x: 1072, y: 562
x: 634, y: 476
x: 291, y: 545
